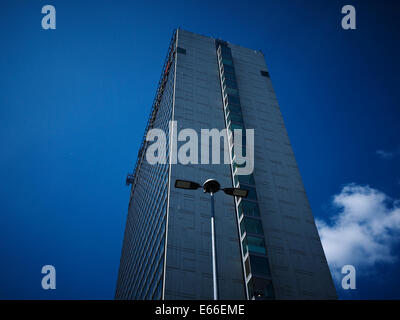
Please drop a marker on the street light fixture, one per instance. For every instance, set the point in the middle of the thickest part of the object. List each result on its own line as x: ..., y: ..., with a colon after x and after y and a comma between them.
x: 189, y: 185
x: 236, y: 192
x: 212, y: 186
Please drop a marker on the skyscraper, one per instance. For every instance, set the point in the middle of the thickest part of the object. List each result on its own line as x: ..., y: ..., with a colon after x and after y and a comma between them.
x: 268, y: 246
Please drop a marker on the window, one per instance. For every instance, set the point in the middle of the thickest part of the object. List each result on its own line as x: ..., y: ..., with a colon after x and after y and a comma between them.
x: 232, y: 92
x: 226, y: 55
x: 225, y: 50
x: 234, y: 117
x: 228, y: 69
x: 246, y: 179
x: 236, y: 180
x: 255, y: 244
x: 230, y: 76
x: 181, y: 50
x: 235, y: 109
x: 249, y: 208
x: 242, y: 227
x: 237, y: 122
x: 247, y: 267
x: 227, y: 62
x: 244, y: 246
x: 265, y: 74
x: 233, y: 99
x: 234, y: 126
x: 252, y: 195
x: 253, y: 226
x: 260, y: 266
x: 261, y: 289
x: 230, y: 84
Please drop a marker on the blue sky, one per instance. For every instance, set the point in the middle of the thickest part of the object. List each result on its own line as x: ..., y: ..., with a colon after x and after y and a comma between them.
x: 74, y: 102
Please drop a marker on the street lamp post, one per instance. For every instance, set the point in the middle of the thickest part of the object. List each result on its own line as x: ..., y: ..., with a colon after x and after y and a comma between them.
x: 213, y: 249
x: 212, y: 186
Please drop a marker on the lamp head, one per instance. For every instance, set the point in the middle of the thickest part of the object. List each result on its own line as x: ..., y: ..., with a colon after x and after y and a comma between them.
x: 211, y: 186
x: 236, y: 192
x: 184, y: 184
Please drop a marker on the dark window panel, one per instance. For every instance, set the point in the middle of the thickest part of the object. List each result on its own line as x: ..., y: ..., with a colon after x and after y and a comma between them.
x: 246, y: 179
x: 254, y: 244
x: 265, y: 74
x: 181, y: 50
x: 249, y: 208
x: 253, y: 226
x: 228, y: 69
x: 261, y: 289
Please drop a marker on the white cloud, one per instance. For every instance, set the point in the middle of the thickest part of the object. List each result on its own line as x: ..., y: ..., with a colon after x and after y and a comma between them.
x: 363, y: 230
x: 385, y: 154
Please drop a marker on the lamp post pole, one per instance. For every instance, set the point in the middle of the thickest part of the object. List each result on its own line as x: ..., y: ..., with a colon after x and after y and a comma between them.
x: 212, y: 186
x: 213, y: 249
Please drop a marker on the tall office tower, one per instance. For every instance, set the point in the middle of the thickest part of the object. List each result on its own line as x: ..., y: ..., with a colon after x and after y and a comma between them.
x: 267, y: 245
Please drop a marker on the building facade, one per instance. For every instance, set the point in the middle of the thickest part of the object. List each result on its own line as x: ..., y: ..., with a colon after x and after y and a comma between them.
x: 268, y: 246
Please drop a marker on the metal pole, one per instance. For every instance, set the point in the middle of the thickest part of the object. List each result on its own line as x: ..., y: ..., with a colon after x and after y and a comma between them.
x: 214, y: 254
